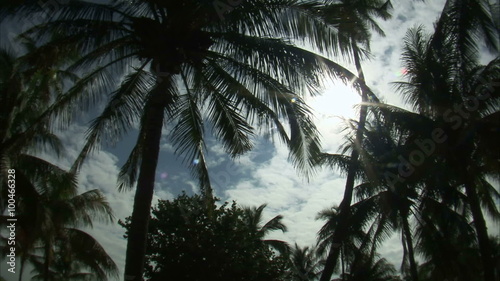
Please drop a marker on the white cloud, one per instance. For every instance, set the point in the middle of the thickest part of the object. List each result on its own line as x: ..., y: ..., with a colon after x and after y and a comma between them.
x: 166, y: 146
x: 275, y: 182
x: 251, y: 181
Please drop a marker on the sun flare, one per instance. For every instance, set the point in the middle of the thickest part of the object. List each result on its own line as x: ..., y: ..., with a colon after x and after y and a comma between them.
x: 337, y: 101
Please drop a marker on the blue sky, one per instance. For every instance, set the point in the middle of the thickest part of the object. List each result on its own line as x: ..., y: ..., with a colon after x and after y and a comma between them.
x: 263, y: 175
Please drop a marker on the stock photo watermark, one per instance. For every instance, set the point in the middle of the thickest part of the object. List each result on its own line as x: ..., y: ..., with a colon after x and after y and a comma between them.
x: 11, y: 220
x: 426, y: 147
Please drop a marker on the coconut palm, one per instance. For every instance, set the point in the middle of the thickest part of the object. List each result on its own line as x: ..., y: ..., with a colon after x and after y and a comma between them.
x: 412, y: 185
x: 359, y: 260
x: 460, y: 25
x: 395, y: 204
x: 444, y: 105
x: 47, y: 207
x: 48, y: 212
x: 354, y: 19
x: 394, y: 213
x: 77, y: 256
x: 447, y: 242
x: 370, y: 268
x: 185, y: 63
x: 26, y: 94
x: 253, y: 219
x: 444, y: 80
x: 304, y: 264
x: 391, y: 202
x: 65, y: 247
x: 360, y: 233
x: 24, y: 131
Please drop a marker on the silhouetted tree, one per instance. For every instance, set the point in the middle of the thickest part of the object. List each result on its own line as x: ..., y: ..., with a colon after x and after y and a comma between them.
x: 180, y: 62
x: 189, y: 242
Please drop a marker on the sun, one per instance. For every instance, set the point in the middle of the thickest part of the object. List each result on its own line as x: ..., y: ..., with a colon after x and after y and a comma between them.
x: 338, y: 100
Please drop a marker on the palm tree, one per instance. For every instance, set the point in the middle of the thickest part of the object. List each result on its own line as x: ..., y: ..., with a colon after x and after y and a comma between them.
x: 447, y: 242
x: 394, y: 209
x: 77, y: 256
x: 48, y: 212
x: 460, y: 24
x: 179, y: 62
x: 65, y: 247
x: 452, y: 86
x: 25, y: 94
x: 424, y: 179
x: 253, y: 220
x: 370, y: 268
x: 391, y: 204
x: 394, y: 203
x: 304, y: 264
x: 444, y: 78
x: 353, y: 18
x: 359, y: 260
x: 47, y: 207
x: 362, y: 235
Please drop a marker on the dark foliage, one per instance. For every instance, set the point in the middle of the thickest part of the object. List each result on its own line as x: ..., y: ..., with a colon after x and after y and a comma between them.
x: 188, y: 242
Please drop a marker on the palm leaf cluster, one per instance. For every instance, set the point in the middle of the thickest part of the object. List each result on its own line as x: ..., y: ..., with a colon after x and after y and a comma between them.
x: 353, y: 20
x: 192, y: 69
x: 304, y: 264
x: 248, y: 78
x: 157, y: 63
x: 49, y: 211
x: 429, y: 172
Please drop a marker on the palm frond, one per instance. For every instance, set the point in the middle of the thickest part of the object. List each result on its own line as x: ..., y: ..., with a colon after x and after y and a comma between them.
x: 120, y: 114
x: 90, y: 253
x: 281, y: 246
x: 274, y: 224
x: 88, y: 206
x: 229, y: 125
x: 189, y: 140
x: 129, y: 171
x: 336, y: 161
x: 47, y: 177
x: 283, y: 19
x: 489, y: 198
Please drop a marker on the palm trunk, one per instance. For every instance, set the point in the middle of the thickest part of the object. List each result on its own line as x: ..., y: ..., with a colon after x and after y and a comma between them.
x: 409, y: 245
x: 482, y: 232
x: 345, y: 206
x: 342, y: 261
x: 137, y: 236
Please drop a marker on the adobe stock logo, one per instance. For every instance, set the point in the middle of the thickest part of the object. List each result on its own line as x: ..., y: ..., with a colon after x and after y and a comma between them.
x: 406, y: 167
x: 426, y: 147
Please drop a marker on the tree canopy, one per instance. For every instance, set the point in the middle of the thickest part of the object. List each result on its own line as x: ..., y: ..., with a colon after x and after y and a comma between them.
x: 187, y: 241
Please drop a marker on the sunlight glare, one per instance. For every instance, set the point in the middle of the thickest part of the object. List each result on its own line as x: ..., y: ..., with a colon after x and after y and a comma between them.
x: 338, y: 100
